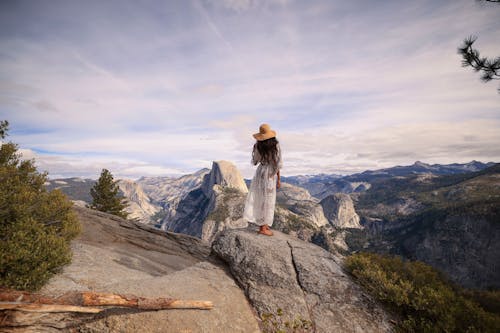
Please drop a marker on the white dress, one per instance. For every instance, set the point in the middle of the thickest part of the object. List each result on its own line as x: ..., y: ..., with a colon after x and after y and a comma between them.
x: 261, y: 198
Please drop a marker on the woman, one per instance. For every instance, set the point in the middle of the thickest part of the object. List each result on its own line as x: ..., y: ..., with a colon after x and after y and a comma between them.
x: 261, y: 198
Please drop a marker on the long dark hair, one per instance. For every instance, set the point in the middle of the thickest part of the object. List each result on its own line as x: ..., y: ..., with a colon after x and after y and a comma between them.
x: 268, y: 150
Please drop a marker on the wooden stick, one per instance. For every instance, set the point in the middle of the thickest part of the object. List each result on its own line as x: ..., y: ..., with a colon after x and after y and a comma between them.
x: 104, y: 299
x: 31, y: 307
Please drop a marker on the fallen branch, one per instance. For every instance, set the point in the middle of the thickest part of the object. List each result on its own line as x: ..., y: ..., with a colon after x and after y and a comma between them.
x: 30, y: 307
x: 83, y: 299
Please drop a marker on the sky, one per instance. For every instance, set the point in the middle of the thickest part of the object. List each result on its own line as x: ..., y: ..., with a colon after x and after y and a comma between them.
x: 155, y: 88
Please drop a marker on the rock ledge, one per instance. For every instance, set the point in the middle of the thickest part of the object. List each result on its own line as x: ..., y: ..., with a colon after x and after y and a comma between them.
x: 300, y: 278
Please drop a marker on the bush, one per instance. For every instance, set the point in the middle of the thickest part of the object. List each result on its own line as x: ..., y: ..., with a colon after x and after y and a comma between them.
x: 35, y: 225
x: 277, y: 322
x: 423, y: 297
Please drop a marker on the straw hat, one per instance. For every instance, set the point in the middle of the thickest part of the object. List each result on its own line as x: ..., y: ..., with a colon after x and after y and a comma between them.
x: 265, y: 132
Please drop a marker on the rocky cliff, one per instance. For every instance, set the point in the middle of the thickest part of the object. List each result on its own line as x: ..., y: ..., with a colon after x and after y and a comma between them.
x: 299, y: 201
x: 139, y: 205
x: 340, y: 212
x: 195, y: 207
x: 225, y: 174
x: 167, y: 192
x: 466, y: 248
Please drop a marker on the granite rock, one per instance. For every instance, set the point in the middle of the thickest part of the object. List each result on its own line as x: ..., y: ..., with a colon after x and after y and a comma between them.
x: 300, y: 278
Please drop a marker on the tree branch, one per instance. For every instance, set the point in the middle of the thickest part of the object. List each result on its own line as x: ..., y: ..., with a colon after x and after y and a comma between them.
x: 489, y: 68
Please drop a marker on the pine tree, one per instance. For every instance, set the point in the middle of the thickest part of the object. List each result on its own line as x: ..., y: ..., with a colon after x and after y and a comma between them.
x: 36, y: 225
x: 105, y: 196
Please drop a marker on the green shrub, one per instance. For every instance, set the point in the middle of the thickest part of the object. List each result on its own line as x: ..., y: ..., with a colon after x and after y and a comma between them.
x: 423, y: 297
x: 277, y: 322
x: 35, y: 225
x: 487, y: 299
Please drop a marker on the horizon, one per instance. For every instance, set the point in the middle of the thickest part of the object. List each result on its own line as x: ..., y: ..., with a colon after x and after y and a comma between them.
x: 156, y: 88
x: 58, y: 177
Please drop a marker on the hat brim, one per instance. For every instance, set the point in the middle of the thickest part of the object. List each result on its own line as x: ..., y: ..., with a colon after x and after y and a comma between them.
x: 262, y: 137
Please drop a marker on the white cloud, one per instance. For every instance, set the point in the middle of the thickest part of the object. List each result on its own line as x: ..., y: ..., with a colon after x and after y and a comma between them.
x: 90, y: 167
x: 347, y: 87
x: 243, y: 5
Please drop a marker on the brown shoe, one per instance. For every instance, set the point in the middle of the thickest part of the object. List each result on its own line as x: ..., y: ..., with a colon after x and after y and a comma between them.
x: 264, y: 230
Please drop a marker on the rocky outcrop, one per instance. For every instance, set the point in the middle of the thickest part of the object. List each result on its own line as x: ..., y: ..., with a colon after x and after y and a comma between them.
x: 300, y: 202
x: 194, y: 209
x: 227, y: 212
x: 139, y: 205
x: 226, y: 174
x: 303, y: 280
x: 340, y: 212
x: 288, y: 194
x: 275, y: 274
x: 118, y: 256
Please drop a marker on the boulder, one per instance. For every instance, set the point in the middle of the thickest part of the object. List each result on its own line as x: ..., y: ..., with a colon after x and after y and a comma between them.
x: 300, y: 279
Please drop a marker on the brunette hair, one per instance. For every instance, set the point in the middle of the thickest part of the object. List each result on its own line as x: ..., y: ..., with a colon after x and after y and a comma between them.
x: 268, y: 150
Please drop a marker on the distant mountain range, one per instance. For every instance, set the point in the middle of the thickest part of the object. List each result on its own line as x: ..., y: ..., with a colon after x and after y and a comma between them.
x: 322, y: 185
x: 164, y: 193
x: 450, y: 221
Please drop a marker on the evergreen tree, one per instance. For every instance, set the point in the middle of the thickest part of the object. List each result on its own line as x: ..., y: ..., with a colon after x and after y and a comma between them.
x: 35, y: 225
x: 105, y: 195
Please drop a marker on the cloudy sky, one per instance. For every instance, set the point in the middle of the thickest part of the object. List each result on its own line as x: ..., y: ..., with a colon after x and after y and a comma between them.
x: 166, y: 87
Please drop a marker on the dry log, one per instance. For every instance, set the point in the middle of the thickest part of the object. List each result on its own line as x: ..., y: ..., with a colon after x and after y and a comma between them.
x: 32, y: 307
x: 83, y: 299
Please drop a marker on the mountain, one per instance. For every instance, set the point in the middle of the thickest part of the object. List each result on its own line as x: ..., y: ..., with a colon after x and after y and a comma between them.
x: 339, y: 209
x: 77, y: 189
x: 315, y: 184
x: 164, y: 189
x: 167, y: 192
x: 421, y: 167
x: 451, y: 222
x: 139, y: 204
x: 299, y: 201
x: 321, y: 186
x: 150, y: 199
x: 222, y: 184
